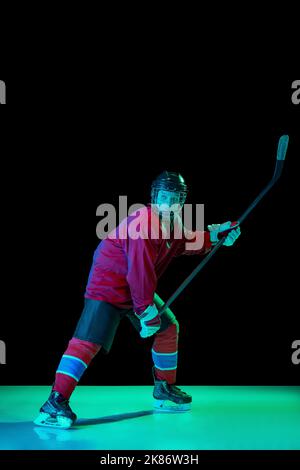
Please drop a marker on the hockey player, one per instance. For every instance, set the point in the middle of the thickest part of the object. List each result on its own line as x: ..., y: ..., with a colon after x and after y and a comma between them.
x: 122, y: 283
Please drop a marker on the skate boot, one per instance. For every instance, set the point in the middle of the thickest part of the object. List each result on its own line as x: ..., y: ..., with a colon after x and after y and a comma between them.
x: 56, y: 412
x: 169, y: 398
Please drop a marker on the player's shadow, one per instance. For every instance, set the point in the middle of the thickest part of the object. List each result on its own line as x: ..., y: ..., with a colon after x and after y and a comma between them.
x: 111, y: 419
x: 19, y: 435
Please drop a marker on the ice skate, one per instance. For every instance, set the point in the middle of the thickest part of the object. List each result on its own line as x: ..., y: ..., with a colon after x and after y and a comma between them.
x: 169, y: 398
x: 56, y: 412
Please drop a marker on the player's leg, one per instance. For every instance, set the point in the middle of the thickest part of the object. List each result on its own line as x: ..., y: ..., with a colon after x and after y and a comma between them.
x: 165, y: 345
x: 167, y: 396
x: 95, y: 330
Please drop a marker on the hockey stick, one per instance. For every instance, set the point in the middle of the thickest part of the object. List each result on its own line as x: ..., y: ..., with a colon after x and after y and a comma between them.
x: 281, y: 153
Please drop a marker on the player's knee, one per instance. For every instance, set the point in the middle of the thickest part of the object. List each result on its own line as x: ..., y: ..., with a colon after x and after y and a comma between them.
x: 173, y: 320
x: 176, y: 325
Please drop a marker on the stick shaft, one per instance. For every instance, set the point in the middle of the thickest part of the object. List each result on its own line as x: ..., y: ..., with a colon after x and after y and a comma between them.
x: 192, y: 275
x: 276, y: 176
x: 186, y: 282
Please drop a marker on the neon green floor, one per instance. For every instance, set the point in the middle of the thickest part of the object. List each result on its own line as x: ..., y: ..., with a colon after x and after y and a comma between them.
x: 121, y: 418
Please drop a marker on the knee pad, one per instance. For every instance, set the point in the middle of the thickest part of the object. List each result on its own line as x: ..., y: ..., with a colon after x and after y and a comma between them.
x: 177, y: 325
x: 84, y: 350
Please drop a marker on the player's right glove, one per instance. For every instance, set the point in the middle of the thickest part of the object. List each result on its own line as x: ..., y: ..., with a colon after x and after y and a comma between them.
x: 150, y: 321
x: 230, y: 229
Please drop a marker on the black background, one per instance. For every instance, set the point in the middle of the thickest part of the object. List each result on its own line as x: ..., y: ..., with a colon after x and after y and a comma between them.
x: 70, y: 144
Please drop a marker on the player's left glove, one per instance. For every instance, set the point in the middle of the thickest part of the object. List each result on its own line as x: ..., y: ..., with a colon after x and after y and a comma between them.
x: 150, y: 321
x: 218, y: 231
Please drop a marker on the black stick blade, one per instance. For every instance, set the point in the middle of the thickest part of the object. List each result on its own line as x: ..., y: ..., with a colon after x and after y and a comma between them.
x: 282, y: 147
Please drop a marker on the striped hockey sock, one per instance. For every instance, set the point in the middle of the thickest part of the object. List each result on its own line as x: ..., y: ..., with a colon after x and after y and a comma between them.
x: 73, y: 363
x: 165, y: 354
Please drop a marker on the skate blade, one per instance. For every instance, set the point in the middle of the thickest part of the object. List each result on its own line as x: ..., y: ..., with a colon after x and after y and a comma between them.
x: 166, y: 406
x: 44, y: 419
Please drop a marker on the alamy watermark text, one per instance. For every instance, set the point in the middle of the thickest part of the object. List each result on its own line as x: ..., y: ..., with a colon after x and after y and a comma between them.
x: 2, y: 352
x: 2, y: 92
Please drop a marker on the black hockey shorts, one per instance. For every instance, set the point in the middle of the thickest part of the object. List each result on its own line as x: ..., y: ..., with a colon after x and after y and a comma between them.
x: 99, y: 321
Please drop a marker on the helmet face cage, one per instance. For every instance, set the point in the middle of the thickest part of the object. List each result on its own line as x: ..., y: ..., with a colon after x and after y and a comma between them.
x: 155, y: 190
x: 171, y: 182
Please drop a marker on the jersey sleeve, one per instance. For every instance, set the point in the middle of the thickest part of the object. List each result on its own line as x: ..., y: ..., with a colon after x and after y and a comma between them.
x: 194, y: 243
x: 141, y: 275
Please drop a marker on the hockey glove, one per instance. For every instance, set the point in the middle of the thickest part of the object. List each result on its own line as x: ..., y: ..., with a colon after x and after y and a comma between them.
x: 217, y: 231
x: 150, y: 321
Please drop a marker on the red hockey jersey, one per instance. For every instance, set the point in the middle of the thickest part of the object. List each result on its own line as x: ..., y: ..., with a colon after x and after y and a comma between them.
x: 128, y: 263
